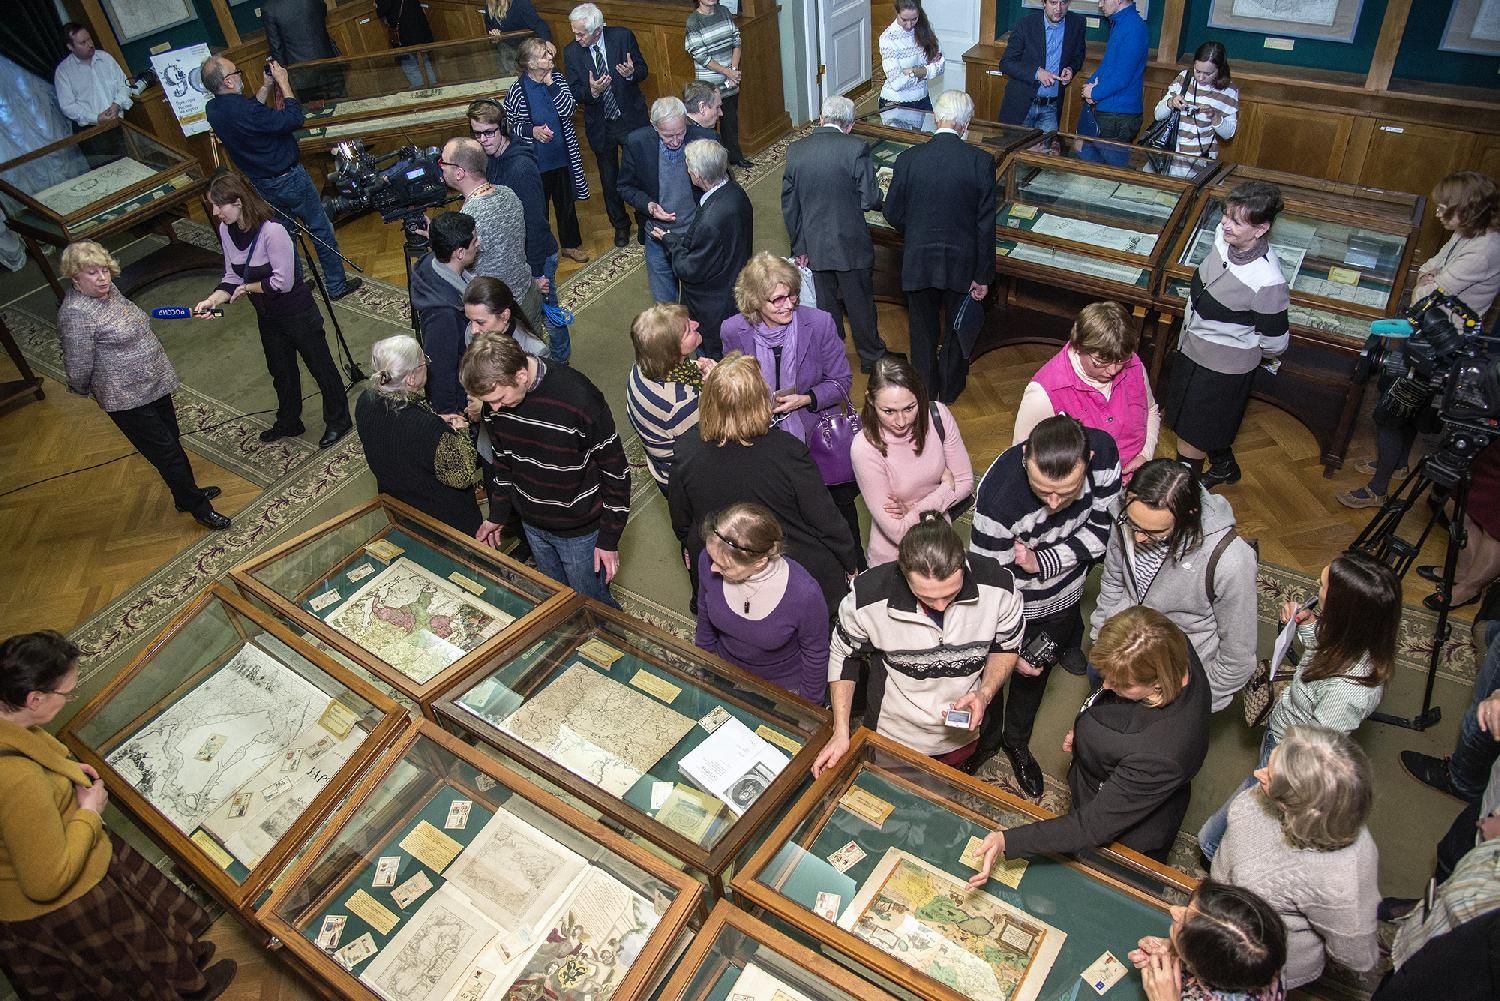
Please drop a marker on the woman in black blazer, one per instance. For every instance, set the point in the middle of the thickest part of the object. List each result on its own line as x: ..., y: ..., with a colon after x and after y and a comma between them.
x: 1136, y: 744
x: 734, y: 455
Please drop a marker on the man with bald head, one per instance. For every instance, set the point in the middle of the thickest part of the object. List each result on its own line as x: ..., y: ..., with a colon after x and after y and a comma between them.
x: 261, y: 140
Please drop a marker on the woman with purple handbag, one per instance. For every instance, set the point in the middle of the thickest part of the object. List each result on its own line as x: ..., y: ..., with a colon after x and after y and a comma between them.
x: 802, y: 359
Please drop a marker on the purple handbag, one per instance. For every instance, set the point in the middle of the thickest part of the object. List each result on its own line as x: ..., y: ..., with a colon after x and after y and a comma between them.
x: 828, y: 441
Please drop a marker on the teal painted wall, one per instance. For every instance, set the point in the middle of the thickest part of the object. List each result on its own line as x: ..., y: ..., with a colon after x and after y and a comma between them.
x: 1008, y: 12
x: 205, y: 29
x: 1420, y: 58
x: 1352, y: 57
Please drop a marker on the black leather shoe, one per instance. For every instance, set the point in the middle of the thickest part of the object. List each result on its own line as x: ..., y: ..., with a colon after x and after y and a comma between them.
x: 212, y: 519
x: 274, y: 433
x: 1228, y: 472
x: 744, y: 163
x: 622, y: 237
x: 1431, y: 772
x: 1028, y: 772
x: 351, y: 286
x: 1435, y: 602
x: 332, y: 436
x: 1431, y: 571
x: 209, y: 493
x: 1074, y: 662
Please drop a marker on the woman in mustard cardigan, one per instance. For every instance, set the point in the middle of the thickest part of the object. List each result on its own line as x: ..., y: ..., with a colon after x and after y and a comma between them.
x: 81, y: 916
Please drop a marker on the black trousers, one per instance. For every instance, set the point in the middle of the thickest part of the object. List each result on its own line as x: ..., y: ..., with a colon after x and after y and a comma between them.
x: 729, y: 126
x: 152, y: 429
x: 1119, y: 127
x: 608, y: 159
x: 944, y: 373
x: 843, y: 495
x: 283, y: 339
x: 852, y: 292
x: 1009, y: 719
x: 557, y: 185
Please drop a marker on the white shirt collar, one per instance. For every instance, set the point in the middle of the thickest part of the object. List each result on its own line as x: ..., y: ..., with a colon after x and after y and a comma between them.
x: 711, y: 190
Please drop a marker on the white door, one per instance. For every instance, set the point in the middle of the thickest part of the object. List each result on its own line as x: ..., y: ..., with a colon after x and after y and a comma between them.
x: 843, y: 45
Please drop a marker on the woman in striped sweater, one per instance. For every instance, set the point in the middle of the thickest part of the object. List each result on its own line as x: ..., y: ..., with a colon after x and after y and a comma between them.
x: 1208, y: 103
x: 539, y: 107
x: 661, y: 398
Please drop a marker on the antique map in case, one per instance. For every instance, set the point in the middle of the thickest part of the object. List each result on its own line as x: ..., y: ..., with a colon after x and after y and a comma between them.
x: 416, y: 621
x: 221, y: 735
x: 979, y: 945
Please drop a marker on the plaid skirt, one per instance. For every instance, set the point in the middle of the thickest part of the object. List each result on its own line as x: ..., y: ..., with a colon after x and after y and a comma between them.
x: 131, y: 937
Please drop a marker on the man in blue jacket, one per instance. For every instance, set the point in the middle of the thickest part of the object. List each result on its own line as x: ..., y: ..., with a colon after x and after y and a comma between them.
x: 1115, y: 88
x: 1044, y: 52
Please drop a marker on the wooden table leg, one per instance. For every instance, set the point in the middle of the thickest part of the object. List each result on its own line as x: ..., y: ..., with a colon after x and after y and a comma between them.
x: 35, y: 250
x: 29, y: 381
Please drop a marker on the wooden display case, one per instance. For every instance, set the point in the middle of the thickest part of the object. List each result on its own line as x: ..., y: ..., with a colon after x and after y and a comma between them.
x: 1347, y: 252
x: 911, y: 820
x: 606, y: 709
x: 414, y: 619
x: 446, y: 870
x: 107, y: 179
x: 229, y: 739
x: 735, y: 955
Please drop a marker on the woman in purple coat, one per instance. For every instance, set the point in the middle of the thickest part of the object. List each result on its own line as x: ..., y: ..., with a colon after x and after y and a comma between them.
x: 801, y: 355
x: 757, y: 609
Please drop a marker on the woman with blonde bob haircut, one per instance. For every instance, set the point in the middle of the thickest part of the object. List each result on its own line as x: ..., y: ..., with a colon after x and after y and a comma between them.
x: 1136, y: 744
x: 801, y: 355
x: 1299, y: 840
x: 661, y: 394
x: 734, y: 455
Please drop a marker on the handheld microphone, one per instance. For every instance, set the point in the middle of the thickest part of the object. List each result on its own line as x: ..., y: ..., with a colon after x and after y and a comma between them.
x: 181, y: 313
x: 1394, y: 327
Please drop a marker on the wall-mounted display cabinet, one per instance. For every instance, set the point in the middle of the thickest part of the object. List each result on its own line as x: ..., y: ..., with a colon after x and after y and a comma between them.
x: 399, y: 597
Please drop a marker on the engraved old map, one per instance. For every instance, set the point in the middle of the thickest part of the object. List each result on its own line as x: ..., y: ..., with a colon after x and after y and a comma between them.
x: 234, y: 725
x: 425, y: 958
x: 598, y: 728
x: 975, y: 943
x: 416, y: 621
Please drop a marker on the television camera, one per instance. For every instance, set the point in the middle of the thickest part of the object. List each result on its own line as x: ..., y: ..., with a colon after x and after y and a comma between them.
x: 403, y: 190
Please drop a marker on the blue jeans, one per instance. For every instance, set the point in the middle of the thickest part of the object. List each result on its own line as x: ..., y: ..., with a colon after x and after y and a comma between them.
x: 1476, y: 750
x: 664, y: 284
x: 1042, y: 117
x: 1212, y: 831
x: 294, y: 194
x: 569, y: 559
x: 559, y: 341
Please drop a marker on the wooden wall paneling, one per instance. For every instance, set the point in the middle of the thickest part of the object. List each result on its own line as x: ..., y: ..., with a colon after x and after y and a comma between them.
x: 1486, y: 156
x: 1296, y: 140
x: 453, y: 22
x: 1403, y: 156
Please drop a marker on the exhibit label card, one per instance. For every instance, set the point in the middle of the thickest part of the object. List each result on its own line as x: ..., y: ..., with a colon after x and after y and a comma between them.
x: 467, y: 583
x: 653, y: 685
x: 866, y: 806
x: 384, y: 550
x: 323, y: 600
x: 431, y: 847
x: 1005, y: 870
x: 360, y: 572
x: 781, y: 740
x: 370, y: 911
x: 600, y: 652
x: 338, y: 719
x: 210, y: 847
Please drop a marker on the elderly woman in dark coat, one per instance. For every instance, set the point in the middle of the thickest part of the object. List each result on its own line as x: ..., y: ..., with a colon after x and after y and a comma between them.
x: 111, y: 354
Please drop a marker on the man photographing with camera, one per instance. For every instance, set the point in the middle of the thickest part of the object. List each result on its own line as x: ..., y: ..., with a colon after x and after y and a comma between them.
x: 262, y: 143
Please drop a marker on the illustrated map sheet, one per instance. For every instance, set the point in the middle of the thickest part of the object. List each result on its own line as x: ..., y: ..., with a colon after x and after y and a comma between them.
x: 755, y: 983
x: 427, y: 955
x: 415, y: 621
x: 598, y: 728
x: 69, y: 196
x: 1095, y: 234
x: 976, y: 943
x: 1077, y: 263
x: 236, y: 724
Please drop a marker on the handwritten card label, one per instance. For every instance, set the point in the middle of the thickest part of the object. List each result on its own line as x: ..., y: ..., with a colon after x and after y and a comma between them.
x: 1344, y: 276
x: 323, y: 600
x: 361, y: 572
x: 600, y: 652
x: 1023, y: 211
x: 781, y: 740
x: 370, y: 911
x: 652, y: 685
x: 431, y: 847
x: 338, y: 719
x: 211, y: 848
x: 467, y: 583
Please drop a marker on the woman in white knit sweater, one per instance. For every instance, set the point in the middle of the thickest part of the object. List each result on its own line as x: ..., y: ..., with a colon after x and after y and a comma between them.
x: 910, y: 56
x: 1299, y: 840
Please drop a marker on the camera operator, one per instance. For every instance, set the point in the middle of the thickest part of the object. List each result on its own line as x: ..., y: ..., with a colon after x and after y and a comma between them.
x: 1468, y: 268
x: 261, y: 141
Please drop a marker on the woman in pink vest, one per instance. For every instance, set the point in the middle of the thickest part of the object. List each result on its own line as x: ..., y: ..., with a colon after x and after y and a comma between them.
x: 1098, y: 380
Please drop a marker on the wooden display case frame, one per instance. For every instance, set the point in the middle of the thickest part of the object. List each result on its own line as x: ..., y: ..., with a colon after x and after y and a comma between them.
x: 464, y: 549
x: 713, y: 863
x: 1315, y: 383
x: 649, y: 969
x: 239, y: 898
x: 727, y: 917
x: 864, y: 956
x: 1008, y: 138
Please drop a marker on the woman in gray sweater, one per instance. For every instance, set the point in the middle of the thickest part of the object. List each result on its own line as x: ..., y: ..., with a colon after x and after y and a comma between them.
x: 1299, y: 840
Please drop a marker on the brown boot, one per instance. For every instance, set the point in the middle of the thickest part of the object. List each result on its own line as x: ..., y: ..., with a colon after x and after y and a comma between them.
x: 576, y: 254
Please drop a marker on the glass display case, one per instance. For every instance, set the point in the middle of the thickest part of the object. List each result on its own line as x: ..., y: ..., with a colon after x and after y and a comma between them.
x: 1345, y: 252
x: 679, y: 748
x: 873, y: 862
x: 738, y: 957
x: 399, y: 597
x: 96, y: 183
x: 416, y: 94
x: 228, y: 739
x: 444, y: 875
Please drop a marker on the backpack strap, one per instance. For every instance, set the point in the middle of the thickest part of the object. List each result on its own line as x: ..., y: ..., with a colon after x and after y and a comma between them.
x: 1213, y: 563
x: 937, y: 421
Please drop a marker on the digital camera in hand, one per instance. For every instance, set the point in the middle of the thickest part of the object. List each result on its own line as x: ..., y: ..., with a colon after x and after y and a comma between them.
x: 1040, y: 651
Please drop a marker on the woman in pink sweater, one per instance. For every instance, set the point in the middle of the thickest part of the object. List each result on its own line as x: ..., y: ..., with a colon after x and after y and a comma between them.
x: 909, y: 459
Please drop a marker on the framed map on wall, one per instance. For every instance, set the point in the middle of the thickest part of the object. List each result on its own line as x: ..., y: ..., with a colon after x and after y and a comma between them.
x: 138, y: 18
x: 1329, y: 20
x: 1473, y: 26
x: 1088, y: 8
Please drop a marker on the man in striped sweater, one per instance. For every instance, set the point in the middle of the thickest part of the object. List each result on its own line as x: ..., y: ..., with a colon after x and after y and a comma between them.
x: 558, y: 462
x: 1044, y: 509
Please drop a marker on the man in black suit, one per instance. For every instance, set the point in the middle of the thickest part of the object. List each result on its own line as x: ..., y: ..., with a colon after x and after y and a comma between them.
x: 654, y: 180
x: 708, y: 257
x: 1043, y: 54
x: 297, y: 32
x: 942, y: 202
x: 828, y: 186
x: 605, y: 70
